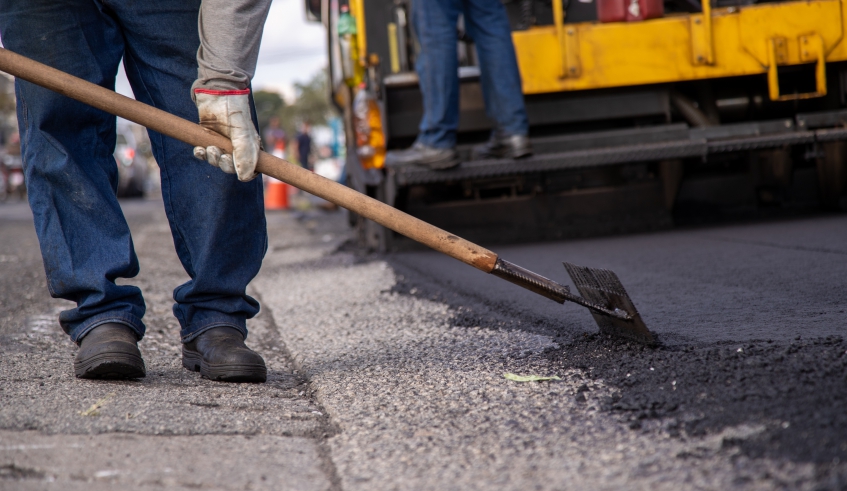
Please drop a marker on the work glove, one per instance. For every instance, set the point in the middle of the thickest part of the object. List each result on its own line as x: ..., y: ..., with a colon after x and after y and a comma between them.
x: 228, y: 112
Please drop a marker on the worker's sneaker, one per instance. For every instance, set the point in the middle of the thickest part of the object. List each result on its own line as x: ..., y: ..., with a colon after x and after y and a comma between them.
x: 503, y: 146
x: 420, y: 154
x: 109, y: 351
x: 220, y: 354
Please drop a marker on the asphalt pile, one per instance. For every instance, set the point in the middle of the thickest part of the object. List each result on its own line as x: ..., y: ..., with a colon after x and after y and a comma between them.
x: 796, y: 390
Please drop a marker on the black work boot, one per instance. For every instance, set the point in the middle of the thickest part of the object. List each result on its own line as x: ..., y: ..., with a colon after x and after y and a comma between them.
x: 220, y: 354
x: 503, y: 146
x: 109, y: 351
x: 420, y: 154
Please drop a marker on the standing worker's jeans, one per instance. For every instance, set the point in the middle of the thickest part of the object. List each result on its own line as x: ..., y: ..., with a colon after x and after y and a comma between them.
x: 217, y: 222
x: 437, y: 65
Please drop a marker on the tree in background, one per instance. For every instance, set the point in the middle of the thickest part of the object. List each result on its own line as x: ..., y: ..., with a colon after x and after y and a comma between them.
x: 268, y: 104
x: 311, y: 104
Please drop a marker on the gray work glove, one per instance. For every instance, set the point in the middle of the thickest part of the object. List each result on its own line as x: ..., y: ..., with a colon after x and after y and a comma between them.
x: 228, y: 112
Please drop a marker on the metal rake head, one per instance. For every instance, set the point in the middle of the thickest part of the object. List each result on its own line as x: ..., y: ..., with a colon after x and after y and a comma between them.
x: 601, y: 286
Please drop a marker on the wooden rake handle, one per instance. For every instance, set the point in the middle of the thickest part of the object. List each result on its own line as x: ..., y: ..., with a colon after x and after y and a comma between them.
x: 194, y: 134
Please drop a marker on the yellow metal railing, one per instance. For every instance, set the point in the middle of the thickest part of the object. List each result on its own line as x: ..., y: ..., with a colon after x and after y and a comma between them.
x: 702, y: 41
x: 568, y: 42
x: 357, y: 9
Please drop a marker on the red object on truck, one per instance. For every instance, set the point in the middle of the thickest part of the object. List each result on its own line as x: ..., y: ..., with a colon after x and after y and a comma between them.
x: 629, y: 10
x: 611, y: 10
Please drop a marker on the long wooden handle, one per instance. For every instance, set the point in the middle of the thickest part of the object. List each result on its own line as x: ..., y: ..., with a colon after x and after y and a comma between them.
x: 285, y: 171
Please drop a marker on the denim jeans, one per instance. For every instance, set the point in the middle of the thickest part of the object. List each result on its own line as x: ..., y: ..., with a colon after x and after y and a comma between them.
x: 486, y: 23
x: 217, y: 222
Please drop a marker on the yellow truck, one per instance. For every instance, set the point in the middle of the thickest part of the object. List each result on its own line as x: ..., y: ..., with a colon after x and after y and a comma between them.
x: 728, y: 106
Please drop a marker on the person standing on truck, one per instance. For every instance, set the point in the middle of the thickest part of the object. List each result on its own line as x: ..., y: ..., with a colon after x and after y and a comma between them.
x: 187, y: 58
x: 487, y: 23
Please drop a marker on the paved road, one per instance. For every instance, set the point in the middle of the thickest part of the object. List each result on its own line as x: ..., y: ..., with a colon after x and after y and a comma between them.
x: 170, y: 430
x: 751, y: 317
x: 387, y: 371
x: 737, y: 283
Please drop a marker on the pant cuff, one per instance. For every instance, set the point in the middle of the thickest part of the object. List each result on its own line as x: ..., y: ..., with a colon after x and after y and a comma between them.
x: 124, y: 318
x: 189, y: 335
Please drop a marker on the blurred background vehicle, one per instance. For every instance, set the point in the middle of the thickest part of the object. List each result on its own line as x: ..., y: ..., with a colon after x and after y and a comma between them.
x: 132, y: 162
x: 12, y: 180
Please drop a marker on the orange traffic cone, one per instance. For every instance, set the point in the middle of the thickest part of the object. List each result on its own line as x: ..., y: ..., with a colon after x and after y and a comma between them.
x: 279, y: 149
x: 276, y: 195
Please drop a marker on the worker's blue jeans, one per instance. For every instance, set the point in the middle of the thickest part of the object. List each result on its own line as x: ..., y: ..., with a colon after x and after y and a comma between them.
x: 437, y: 66
x: 217, y: 222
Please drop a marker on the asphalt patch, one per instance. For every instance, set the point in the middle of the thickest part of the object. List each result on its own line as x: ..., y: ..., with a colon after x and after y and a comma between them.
x: 797, y: 390
x: 794, y: 393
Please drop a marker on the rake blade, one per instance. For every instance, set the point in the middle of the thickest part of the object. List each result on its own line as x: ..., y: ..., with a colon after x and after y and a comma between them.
x: 603, y: 287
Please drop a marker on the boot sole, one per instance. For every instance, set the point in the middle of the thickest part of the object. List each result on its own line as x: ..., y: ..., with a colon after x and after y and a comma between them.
x: 442, y: 163
x: 224, y: 373
x: 505, y: 154
x: 110, y: 366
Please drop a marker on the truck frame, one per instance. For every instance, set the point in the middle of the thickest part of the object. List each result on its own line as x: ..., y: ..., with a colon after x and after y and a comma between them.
x: 721, y: 107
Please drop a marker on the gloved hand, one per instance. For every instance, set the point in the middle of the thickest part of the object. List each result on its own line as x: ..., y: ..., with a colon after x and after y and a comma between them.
x: 228, y: 112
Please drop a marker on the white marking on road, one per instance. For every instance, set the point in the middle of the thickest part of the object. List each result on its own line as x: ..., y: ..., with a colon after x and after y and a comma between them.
x: 106, y: 473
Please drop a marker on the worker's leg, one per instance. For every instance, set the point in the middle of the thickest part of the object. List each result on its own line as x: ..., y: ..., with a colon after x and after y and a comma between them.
x: 217, y: 222
x: 437, y: 66
x: 70, y: 170
x: 488, y: 25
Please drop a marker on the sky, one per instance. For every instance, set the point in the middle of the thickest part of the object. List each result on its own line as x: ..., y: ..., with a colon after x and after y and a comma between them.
x: 292, y: 50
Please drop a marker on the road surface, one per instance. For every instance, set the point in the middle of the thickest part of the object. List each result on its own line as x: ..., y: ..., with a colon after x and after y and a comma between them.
x: 386, y: 372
